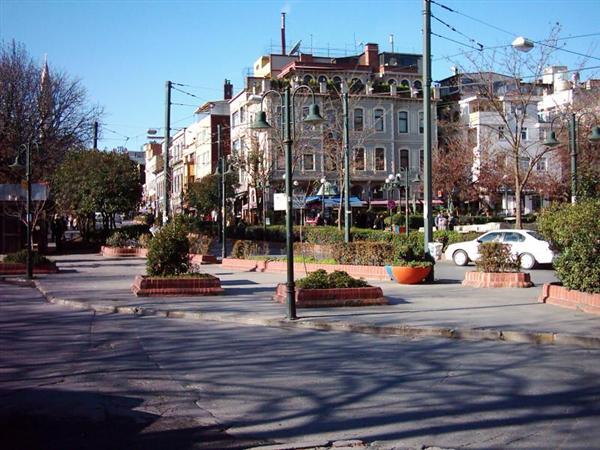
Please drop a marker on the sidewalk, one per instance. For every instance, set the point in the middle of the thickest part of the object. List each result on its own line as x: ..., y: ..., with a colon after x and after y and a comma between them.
x: 445, y: 309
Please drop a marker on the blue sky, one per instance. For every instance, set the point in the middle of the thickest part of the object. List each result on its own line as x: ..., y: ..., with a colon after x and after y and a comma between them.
x: 123, y: 51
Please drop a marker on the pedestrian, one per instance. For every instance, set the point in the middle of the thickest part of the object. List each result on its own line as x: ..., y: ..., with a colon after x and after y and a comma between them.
x: 451, y: 222
x: 437, y: 220
x: 442, y: 223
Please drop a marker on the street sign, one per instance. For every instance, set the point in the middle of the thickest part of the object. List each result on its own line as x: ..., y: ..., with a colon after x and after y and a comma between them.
x: 391, y: 204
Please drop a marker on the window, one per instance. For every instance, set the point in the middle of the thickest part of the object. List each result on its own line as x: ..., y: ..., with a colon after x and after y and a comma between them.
x: 308, y: 162
x: 421, y: 122
x: 404, y: 159
x: 235, y: 118
x: 421, y: 159
x: 524, y: 162
x: 378, y: 119
x: 541, y: 165
x: 242, y: 114
x: 501, y: 132
x: 359, y: 159
x: 280, y: 163
x: 358, y: 119
x: 513, y: 237
x: 524, y: 134
x: 237, y: 146
x: 491, y: 237
x: 403, y: 122
x: 380, y: 158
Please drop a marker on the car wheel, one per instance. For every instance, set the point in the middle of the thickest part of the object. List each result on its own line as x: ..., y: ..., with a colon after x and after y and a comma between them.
x: 527, y: 261
x: 460, y: 258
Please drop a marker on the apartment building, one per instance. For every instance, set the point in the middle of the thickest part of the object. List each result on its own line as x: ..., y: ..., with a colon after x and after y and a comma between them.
x: 385, y: 118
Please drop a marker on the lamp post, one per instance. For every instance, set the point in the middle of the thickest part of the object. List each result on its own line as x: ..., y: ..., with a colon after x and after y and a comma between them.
x: 223, y: 171
x: 397, y: 181
x: 26, y: 148
x: 313, y: 118
x: 594, y: 137
x: 323, y: 181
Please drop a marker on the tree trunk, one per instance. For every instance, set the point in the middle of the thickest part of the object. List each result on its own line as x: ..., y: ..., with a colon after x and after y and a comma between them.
x: 518, y: 193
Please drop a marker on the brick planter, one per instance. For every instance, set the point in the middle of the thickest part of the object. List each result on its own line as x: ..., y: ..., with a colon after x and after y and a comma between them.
x: 252, y: 265
x: 21, y: 269
x: 203, y: 259
x: 555, y: 294
x: 497, y: 280
x: 144, y: 286
x: 123, y: 252
x: 326, y: 298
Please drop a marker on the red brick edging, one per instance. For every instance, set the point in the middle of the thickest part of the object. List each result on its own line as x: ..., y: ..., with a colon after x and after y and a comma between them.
x: 254, y: 265
x: 497, y: 280
x: 20, y: 269
x: 325, y: 298
x: 145, y: 286
x: 558, y: 295
x: 123, y: 251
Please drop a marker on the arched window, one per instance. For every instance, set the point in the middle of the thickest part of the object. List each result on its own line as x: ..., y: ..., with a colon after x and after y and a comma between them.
x: 402, y: 121
x: 359, y: 120
x: 307, y: 79
x: 322, y: 79
x: 404, y: 158
x: 418, y: 85
x: 405, y: 85
x: 378, y: 124
x: 391, y: 81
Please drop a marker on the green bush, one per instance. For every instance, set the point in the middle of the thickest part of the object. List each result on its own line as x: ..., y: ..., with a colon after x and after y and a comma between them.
x: 133, y: 231
x: 244, y: 249
x: 200, y: 243
x: 447, y: 237
x: 574, y: 231
x: 118, y: 239
x: 323, y: 235
x: 144, y: 240
x: 20, y: 257
x: 335, y: 280
x: 364, y: 253
x: 168, y: 251
x: 496, y: 257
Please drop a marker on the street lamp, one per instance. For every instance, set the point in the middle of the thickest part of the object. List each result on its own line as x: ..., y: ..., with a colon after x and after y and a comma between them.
x: 594, y: 137
x: 401, y: 180
x: 26, y: 148
x: 223, y: 169
x: 313, y: 118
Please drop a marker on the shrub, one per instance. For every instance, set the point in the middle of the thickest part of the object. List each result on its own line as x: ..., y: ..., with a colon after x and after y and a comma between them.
x: 168, y: 251
x: 144, y: 240
x: 574, y: 231
x: 335, y: 280
x: 323, y: 235
x: 364, y: 253
x: 118, y: 239
x: 133, y: 231
x: 200, y: 243
x: 496, y: 257
x: 244, y: 249
x: 20, y: 257
x: 447, y: 237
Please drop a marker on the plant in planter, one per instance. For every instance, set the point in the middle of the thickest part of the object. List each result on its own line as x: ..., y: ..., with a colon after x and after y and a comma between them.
x: 320, y: 289
x: 574, y: 231
x: 409, y: 272
x: 169, y: 267
x: 15, y: 263
x: 496, y: 267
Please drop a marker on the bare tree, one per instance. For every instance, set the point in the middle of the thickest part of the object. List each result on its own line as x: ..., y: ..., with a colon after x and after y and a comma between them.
x: 513, y: 102
x: 42, y: 106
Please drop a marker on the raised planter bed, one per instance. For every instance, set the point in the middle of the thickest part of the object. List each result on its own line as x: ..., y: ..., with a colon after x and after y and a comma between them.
x: 555, y: 294
x: 146, y: 286
x: 497, y: 280
x: 326, y: 298
x: 21, y: 269
x: 252, y: 265
x: 203, y: 259
x: 123, y: 252
x: 407, y: 275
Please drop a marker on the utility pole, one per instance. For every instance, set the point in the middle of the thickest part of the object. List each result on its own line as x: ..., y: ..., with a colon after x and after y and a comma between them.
x: 166, y: 167
x: 95, y: 147
x: 347, y: 210
x: 573, y: 155
x: 427, y: 125
x: 222, y: 235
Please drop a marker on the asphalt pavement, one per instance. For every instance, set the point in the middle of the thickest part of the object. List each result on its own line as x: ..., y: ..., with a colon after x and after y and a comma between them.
x: 442, y: 309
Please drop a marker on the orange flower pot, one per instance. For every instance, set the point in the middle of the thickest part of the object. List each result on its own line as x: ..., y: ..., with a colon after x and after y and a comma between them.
x: 408, y: 275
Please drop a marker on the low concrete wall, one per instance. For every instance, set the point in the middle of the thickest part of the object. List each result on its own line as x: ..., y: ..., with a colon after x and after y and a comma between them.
x: 326, y: 298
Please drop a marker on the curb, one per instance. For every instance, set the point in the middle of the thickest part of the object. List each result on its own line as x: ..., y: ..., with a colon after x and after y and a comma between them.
x: 408, y: 331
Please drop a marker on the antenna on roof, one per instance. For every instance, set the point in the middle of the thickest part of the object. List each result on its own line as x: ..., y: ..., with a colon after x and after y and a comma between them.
x: 295, y: 48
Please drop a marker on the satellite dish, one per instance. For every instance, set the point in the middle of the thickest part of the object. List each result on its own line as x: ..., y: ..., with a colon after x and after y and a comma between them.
x: 295, y: 48
x: 151, y: 131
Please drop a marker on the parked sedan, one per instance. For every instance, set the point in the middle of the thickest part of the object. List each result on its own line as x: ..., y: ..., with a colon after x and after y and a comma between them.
x: 527, y: 244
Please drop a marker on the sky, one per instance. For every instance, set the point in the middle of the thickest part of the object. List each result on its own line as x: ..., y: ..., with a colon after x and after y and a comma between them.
x: 123, y: 51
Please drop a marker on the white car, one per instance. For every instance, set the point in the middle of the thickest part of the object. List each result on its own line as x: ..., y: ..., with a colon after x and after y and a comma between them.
x: 527, y: 244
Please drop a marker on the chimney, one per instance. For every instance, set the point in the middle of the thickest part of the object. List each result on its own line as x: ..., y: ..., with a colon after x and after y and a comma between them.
x: 227, y: 90
x: 283, y: 33
x: 372, y: 55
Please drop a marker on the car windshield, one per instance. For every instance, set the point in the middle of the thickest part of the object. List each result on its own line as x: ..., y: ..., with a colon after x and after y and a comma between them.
x: 536, y: 235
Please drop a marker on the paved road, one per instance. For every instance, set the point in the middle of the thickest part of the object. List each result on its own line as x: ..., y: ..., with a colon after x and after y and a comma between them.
x: 69, y: 377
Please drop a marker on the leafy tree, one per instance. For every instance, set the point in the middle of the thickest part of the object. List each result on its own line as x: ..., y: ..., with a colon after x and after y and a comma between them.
x: 203, y: 195
x: 91, y: 181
